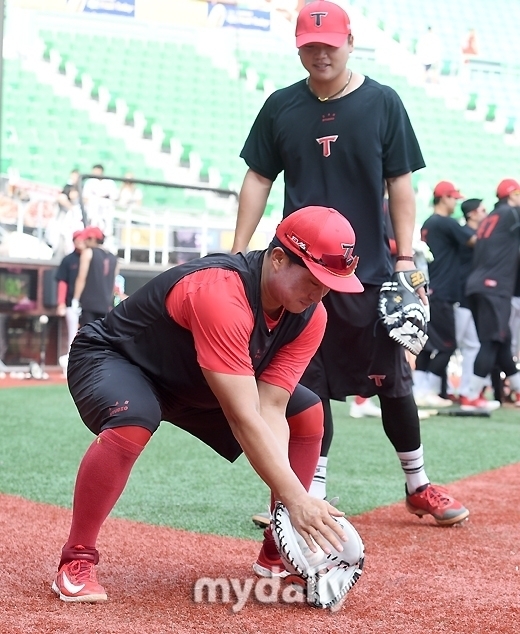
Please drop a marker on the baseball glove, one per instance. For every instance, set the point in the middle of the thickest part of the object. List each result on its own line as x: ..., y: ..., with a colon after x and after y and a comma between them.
x: 328, y: 578
x: 402, y: 311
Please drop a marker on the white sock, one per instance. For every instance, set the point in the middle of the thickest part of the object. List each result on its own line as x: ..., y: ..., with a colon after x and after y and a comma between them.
x: 476, y: 385
x: 412, y: 463
x: 318, y: 488
x: 434, y: 383
x: 420, y: 381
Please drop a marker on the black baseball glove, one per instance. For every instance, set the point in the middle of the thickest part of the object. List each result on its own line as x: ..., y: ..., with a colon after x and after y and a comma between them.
x: 402, y: 311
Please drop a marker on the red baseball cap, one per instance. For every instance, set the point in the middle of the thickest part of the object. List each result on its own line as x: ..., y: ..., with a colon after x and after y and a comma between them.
x: 78, y: 234
x: 93, y: 232
x: 506, y: 187
x: 323, y: 22
x: 445, y: 188
x: 324, y: 240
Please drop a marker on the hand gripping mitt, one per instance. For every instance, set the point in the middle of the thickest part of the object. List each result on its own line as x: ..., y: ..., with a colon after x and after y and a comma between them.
x: 402, y: 311
x: 328, y: 578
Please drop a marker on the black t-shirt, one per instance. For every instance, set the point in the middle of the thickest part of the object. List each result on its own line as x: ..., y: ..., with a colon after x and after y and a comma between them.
x: 495, y: 261
x: 68, y: 272
x: 444, y: 236
x: 337, y: 154
x: 98, y: 294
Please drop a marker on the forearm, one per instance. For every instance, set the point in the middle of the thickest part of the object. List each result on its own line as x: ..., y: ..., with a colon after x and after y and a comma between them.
x: 251, y: 205
x: 267, y: 452
x: 401, y: 199
x: 78, y: 288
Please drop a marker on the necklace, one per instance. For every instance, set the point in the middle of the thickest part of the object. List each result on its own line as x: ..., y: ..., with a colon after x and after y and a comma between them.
x: 336, y: 94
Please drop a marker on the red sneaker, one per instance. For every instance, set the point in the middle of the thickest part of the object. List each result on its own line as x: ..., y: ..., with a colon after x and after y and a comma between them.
x: 76, y: 580
x: 467, y: 405
x: 435, y: 500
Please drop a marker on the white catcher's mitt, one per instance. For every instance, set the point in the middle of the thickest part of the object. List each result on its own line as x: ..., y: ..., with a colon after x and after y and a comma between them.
x: 402, y: 311
x: 328, y: 578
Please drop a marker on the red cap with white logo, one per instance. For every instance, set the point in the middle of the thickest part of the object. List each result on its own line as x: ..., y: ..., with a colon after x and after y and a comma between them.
x: 322, y: 22
x: 324, y: 240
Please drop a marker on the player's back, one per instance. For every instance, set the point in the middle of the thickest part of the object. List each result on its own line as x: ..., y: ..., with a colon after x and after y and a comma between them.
x: 495, y: 260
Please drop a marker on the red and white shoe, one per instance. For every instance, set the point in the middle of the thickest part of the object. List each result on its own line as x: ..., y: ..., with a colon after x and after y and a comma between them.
x: 76, y: 580
x: 468, y: 405
x: 435, y: 500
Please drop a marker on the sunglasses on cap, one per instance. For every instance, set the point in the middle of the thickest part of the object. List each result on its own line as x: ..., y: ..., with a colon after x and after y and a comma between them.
x: 342, y: 265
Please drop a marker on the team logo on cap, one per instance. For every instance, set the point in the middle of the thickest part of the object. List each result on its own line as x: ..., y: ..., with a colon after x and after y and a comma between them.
x: 318, y: 15
x: 343, y: 264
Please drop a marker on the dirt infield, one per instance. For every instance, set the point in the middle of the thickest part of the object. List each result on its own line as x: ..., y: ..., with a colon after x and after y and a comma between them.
x: 418, y: 577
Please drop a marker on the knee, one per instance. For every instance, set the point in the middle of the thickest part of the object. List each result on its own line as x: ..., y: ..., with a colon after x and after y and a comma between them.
x: 308, y: 422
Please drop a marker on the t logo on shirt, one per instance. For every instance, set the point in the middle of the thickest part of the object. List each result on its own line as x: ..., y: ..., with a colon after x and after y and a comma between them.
x: 325, y: 141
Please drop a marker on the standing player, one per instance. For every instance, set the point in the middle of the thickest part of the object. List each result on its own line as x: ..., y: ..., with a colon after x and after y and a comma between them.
x: 66, y: 277
x: 94, y: 288
x: 338, y: 136
x: 445, y: 237
x: 465, y: 331
x: 490, y: 288
x: 215, y: 346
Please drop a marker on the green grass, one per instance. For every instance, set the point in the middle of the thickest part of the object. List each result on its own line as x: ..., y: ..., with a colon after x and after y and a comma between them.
x: 179, y: 482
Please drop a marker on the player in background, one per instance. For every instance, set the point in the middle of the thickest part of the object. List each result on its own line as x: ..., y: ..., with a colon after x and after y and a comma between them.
x: 66, y: 275
x: 466, y: 334
x: 489, y: 290
x: 445, y: 237
x: 338, y: 136
x: 93, y: 293
x: 215, y: 346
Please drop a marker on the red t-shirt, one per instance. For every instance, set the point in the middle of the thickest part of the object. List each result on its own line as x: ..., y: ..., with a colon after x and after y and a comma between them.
x: 212, y: 304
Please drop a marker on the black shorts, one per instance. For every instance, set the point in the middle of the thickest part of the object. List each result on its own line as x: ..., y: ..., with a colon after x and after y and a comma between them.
x: 491, y: 314
x: 356, y: 355
x: 441, y: 327
x: 110, y: 392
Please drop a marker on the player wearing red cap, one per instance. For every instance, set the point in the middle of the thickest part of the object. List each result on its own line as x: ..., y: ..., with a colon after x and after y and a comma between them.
x: 337, y: 136
x: 94, y: 287
x: 489, y: 290
x: 215, y: 346
x: 445, y: 237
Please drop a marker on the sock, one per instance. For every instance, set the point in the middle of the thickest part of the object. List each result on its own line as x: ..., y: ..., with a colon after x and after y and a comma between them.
x: 359, y: 400
x: 420, y: 381
x: 102, y: 476
x: 318, y: 488
x: 476, y: 385
x: 269, y: 545
x: 412, y: 463
x: 434, y: 383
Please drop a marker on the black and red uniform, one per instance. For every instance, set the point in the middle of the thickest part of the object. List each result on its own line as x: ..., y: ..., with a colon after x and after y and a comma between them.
x: 337, y: 154
x: 491, y: 285
x: 142, y: 363
x: 445, y: 237
x: 68, y: 272
x: 97, y: 297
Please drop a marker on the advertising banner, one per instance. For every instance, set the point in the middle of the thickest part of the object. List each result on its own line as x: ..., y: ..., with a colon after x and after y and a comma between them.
x: 238, y: 16
x: 107, y: 7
